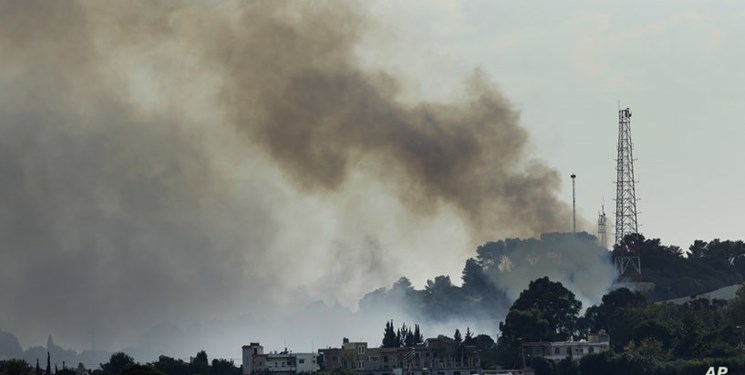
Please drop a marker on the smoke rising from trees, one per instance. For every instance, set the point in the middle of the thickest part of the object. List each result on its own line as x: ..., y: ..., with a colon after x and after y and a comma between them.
x: 188, y: 162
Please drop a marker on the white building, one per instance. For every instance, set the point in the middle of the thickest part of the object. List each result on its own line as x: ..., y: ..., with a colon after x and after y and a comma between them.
x: 558, y: 350
x: 256, y: 362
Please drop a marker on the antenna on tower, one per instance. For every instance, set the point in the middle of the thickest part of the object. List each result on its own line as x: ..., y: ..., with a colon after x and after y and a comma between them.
x: 626, y: 251
x: 602, y: 232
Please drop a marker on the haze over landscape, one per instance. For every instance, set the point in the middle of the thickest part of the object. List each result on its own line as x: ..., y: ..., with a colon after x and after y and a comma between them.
x: 195, y: 175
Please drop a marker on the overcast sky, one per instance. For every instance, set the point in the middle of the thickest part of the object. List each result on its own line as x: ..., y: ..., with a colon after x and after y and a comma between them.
x: 566, y: 65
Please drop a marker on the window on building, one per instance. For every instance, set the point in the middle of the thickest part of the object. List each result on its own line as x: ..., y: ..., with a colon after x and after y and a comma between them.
x: 591, y: 350
x: 556, y: 350
x: 361, y: 365
x: 569, y: 351
x: 301, y: 361
x: 581, y: 350
x: 385, y: 359
x: 361, y: 349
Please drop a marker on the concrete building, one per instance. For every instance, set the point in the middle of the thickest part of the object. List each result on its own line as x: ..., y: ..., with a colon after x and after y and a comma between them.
x: 256, y: 362
x: 437, y: 356
x: 558, y: 350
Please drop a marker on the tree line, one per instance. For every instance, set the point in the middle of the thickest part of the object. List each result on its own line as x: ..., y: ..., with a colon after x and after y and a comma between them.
x: 704, y: 267
x: 122, y: 364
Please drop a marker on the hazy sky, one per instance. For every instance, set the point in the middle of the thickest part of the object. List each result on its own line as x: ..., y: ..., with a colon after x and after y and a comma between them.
x: 150, y: 197
x: 565, y: 65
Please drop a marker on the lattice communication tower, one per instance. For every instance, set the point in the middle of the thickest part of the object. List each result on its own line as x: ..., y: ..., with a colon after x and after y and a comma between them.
x: 626, y: 251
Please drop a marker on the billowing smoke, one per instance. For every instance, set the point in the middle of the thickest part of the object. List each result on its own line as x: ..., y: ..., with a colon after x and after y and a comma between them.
x: 178, y: 162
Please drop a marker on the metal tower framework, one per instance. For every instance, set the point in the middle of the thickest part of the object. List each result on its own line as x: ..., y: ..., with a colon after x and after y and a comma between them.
x: 626, y: 255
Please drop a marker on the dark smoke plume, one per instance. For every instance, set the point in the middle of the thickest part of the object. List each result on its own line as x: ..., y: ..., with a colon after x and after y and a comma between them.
x: 294, y: 88
x: 186, y: 161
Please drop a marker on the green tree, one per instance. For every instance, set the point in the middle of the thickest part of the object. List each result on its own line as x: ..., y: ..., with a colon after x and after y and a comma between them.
x: 406, y: 337
x: 172, y: 366
x: 556, y: 304
x: 659, y: 330
x: 524, y: 325
x: 475, y: 280
x: 117, y: 363
x: 650, y: 348
x: 224, y: 367
x: 442, y: 298
x: 567, y: 366
x: 486, y: 349
x: 600, y: 363
x: 520, y: 327
x: 389, y: 336
x: 735, y: 312
x: 468, y: 337
x: 15, y: 367
x: 542, y: 366
x: 200, y: 364
x: 418, y: 337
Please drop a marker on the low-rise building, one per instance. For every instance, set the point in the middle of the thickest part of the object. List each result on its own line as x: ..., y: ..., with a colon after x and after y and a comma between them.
x: 558, y: 350
x: 256, y: 362
x: 436, y: 356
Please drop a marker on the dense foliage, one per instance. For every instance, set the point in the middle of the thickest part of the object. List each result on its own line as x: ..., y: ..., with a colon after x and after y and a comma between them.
x: 646, y: 338
x: 707, y: 267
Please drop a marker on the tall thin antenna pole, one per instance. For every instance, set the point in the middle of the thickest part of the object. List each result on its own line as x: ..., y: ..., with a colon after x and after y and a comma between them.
x: 574, y: 206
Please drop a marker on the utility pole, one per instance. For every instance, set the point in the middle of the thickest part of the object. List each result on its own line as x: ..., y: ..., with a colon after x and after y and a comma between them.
x: 574, y: 207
